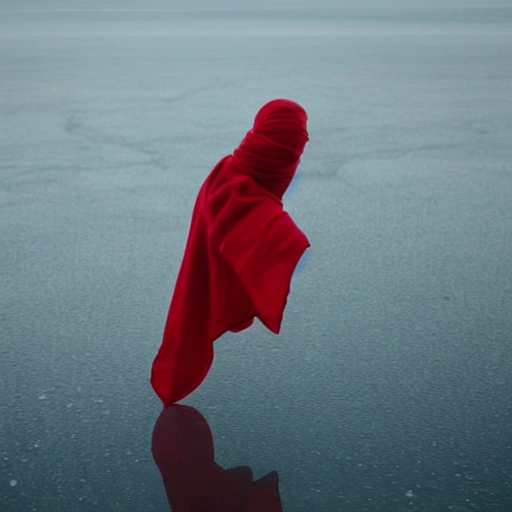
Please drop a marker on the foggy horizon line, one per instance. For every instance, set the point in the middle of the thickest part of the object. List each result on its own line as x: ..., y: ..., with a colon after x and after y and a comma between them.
x: 258, y: 8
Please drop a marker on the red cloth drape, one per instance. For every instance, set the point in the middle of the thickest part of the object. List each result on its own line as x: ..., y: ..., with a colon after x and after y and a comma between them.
x: 241, y: 250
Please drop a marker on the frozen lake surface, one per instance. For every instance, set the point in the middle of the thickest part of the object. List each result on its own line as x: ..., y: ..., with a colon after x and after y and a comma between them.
x: 390, y: 386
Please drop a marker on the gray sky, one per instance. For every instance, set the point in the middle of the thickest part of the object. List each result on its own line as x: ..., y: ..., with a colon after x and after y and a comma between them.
x: 212, y: 4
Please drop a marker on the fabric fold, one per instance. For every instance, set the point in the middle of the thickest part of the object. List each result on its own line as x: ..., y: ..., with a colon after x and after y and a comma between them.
x: 241, y: 251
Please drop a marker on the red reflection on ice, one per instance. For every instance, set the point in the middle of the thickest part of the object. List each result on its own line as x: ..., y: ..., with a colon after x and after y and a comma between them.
x: 182, y: 446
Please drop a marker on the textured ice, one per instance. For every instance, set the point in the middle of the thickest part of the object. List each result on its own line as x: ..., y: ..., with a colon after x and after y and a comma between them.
x: 398, y: 327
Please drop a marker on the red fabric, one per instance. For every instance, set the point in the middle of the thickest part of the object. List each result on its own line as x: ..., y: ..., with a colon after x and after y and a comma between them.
x: 241, y: 251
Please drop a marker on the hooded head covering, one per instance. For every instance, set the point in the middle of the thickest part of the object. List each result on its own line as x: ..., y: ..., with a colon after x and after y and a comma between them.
x: 241, y: 250
x: 270, y: 152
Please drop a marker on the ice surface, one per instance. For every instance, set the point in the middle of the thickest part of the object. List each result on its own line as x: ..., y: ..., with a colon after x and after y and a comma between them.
x: 392, y: 371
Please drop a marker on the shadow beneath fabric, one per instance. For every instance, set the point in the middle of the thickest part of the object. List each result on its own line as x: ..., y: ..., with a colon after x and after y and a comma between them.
x: 182, y: 447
